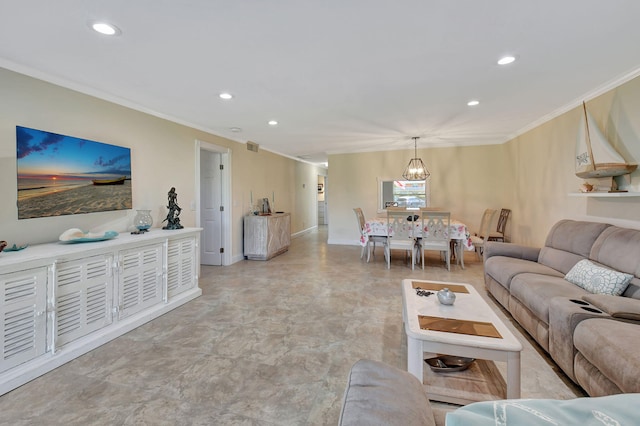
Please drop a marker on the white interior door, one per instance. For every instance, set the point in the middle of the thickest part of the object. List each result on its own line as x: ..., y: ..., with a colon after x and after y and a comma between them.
x: 210, y: 203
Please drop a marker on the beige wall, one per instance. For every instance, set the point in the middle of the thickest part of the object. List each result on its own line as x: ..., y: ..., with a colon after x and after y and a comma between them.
x: 543, y: 168
x: 163, y: 155
x: 465, y: 180
x: 532, y: 175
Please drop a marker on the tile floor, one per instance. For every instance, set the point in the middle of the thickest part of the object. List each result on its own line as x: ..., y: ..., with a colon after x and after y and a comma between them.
x: 268, y: 343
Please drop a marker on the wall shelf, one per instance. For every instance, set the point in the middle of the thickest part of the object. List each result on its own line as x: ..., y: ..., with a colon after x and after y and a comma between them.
x: 605, y: 194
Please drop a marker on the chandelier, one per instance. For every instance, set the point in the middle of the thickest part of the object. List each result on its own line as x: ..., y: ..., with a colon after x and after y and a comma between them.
x: 416, y: 170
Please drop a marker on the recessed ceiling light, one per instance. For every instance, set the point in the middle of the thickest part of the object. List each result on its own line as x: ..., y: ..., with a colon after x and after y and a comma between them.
x: 473, y: 103
x: 506, y: 60
x: 235, y: 129
x: 225, y: 95
x: 273, y: 123
x: 105, y: 28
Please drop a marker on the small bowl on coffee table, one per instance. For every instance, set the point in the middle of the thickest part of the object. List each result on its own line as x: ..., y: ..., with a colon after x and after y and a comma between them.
x: 449, y: 363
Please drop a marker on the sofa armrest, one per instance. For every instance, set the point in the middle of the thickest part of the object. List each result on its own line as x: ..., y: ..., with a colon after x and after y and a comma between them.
x: 616, y: 306
x: 380, y: 394
x: 494, y: 248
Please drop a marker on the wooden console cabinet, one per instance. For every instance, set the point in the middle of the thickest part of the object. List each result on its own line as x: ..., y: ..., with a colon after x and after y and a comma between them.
x: 60, y: 301
x: 266, y: 236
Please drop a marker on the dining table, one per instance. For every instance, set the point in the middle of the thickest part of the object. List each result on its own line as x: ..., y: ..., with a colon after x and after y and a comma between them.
x: 458, y: 232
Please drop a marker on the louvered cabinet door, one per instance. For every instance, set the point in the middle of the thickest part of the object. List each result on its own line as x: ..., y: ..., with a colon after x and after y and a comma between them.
x: 84, y: 293
x: 23, y: 316
x: 139, y: 279
x: 181, y: 269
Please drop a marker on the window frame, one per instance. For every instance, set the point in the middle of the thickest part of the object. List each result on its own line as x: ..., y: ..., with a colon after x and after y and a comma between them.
x: 380, y: 188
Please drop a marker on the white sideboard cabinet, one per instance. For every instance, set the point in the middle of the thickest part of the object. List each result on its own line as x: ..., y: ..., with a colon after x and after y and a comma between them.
x: 60, y: 301
x: 266, y: 236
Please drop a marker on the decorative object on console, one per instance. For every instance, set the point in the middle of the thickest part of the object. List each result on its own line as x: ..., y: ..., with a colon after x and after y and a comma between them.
x: 173, y: 216
x: 416, y: 170
x: 142, y: 221
x: 598, y: 280
x: 3, y: 244
x: 14, y: 247
x: 63, y: 175
x: 266, y: 207
x: 75, y: 235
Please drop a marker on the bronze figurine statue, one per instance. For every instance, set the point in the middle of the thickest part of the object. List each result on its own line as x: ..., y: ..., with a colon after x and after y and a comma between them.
x: 173, y: 216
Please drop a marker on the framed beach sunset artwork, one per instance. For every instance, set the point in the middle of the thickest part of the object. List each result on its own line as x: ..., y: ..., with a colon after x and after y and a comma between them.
x: 63, y: 175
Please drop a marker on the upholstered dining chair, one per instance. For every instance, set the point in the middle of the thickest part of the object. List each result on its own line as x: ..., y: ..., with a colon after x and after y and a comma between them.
x: 482, y: 235
x: 498, y: 234
x: 435, y: 234
x: 368, y: 240
x: 400, y: 234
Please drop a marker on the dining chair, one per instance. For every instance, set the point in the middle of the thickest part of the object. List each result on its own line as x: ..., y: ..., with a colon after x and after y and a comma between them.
x: 368, y: 240
x: 434, y: 226
x: 400, y: 234
x: 482, y: 235
x: 498, y: 234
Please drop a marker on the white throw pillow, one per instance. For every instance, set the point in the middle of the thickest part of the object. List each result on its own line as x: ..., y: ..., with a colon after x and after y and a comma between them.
x: 598, y: 280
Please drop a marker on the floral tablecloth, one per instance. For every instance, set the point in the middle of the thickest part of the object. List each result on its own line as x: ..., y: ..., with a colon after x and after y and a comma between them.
x: 457, y: 231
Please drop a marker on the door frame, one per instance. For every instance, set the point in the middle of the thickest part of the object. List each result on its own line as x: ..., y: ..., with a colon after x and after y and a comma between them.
x: 225, y: 197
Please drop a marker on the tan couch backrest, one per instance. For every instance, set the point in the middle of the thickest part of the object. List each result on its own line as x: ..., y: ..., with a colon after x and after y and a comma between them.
x: 619, y: 249
x: 568, y: 242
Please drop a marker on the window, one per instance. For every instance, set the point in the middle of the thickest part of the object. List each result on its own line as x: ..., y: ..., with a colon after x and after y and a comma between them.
x: 402, y: 193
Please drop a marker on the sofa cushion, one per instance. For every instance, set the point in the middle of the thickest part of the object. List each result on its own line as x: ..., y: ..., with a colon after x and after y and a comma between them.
x: 502, y: 269
x: 606, y: 410
x: 568, y: 242
x: 619, y: 249
x: 535, y: 291
x: 591, y: 379
x: 597, y: 279
x: 379, y: 394
x: 612, y: 347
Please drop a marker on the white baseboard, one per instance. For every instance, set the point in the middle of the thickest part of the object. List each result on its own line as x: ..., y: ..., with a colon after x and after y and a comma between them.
x: 304, y: 231
x: 343, y: 242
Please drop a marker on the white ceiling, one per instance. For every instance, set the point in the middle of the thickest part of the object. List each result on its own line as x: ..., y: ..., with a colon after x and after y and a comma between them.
x: 338, y: 75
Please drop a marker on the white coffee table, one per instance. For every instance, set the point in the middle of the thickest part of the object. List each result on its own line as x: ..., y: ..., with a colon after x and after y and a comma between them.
x: 470, y: 307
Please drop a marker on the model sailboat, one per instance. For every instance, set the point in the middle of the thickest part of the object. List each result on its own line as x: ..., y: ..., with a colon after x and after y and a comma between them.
x: 595, y: 157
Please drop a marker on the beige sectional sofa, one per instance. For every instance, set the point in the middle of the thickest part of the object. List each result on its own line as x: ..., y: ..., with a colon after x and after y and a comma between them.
x: 594, y: 338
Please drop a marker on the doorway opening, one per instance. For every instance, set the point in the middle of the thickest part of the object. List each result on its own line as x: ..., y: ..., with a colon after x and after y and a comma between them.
x: 322, y: 200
